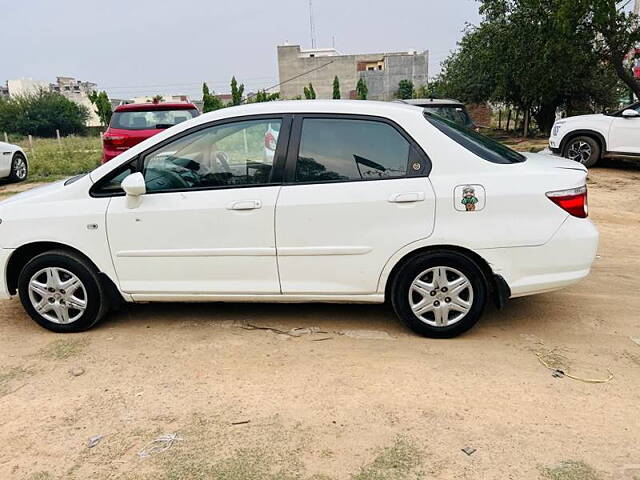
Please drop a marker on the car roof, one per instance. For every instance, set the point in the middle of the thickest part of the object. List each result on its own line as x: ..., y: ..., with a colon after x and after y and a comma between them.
x: 145, y: 107
x: 432, y: 101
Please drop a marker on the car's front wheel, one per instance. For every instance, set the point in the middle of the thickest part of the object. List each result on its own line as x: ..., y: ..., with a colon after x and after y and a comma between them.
x: 584, y: 150
x: 439, y: 294
x: 19, y: 168
x: 61, y: 291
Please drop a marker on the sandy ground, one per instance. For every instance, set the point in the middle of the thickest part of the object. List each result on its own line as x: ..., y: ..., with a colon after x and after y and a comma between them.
x: 365, y: 400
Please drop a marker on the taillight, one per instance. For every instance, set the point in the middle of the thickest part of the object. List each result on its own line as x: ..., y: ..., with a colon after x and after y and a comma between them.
x: 114, y: 140
x: 270, y: 141
x: 573, y: 201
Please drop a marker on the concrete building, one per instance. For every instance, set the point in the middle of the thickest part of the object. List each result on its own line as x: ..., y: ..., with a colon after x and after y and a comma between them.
x: 78, y: 91
x: 382, y: 71
x: 25, y: 86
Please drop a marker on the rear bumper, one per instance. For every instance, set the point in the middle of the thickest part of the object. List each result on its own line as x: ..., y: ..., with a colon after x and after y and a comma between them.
x: 564, y: 260
x: 5, y: 253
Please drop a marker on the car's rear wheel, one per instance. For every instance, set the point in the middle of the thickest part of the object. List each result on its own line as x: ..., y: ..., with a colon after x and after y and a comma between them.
x: 584, y: 150
x: 61, y: 291
x: 19, y: 168
x: 439, y: 294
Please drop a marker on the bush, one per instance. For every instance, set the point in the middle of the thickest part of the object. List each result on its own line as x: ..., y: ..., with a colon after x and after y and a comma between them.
x: 41, y: 114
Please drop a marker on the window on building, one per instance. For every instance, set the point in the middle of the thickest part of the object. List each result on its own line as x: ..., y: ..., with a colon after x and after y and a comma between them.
x: 347, y: 150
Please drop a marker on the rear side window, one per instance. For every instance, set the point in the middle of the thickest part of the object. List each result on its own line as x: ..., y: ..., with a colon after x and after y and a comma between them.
x: 452, y: 113
x: 151, y: 119
x: 347, y: 150
x: 484, y: 147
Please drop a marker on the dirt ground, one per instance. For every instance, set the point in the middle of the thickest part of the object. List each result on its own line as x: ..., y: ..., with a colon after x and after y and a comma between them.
x: 352, y: 395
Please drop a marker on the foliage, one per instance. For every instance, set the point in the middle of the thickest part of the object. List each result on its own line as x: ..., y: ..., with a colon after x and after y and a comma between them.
x: 41, y: 114
x: 157, y: 98
x: 103, y: 106
x: 309, y: 92
x: 405, y: 90
x: 336, y: 88
x: 236, y: 92
x: 263, y: 96
x: 362, y: 90
x: 210, y: 101
x: 536, y: 55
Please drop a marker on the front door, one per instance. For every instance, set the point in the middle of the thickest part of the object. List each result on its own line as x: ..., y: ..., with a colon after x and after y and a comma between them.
x: 356, y: 192
x: 624, y: 136
x: 206, y: 223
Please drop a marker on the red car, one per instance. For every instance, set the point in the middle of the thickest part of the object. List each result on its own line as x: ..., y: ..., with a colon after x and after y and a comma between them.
x: 132, y: 123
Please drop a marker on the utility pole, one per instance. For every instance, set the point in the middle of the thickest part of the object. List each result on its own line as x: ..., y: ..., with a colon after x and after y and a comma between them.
x: 312, y: 25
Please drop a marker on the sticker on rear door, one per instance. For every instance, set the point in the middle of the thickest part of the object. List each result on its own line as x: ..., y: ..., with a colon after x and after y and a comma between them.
x: 469, y: 198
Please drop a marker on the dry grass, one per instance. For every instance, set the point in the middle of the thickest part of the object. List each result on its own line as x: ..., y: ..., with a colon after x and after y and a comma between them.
x: 65, y: 348
x: 10, y: 375
x: 570, y: 470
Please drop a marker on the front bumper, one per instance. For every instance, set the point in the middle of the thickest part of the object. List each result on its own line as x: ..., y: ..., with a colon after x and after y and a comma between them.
x: 564, y: 260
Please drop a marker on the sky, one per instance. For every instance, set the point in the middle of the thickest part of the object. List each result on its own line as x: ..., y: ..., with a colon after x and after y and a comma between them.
x: 144, y: 47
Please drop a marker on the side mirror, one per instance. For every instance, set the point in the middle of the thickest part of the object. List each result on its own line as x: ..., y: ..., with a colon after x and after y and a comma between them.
x: 629, y: 113
x: 134, y: 186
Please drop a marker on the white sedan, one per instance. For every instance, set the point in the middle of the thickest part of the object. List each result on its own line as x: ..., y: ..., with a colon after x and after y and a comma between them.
x: 13, y: 163
x: 361, y: 202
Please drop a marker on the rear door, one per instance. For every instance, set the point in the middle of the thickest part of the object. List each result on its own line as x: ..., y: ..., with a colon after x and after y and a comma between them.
x: 356, y: 191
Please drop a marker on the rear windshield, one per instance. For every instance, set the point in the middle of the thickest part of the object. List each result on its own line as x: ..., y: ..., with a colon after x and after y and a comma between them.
x: 452, y: 113
x: 483, y: 146
x: 150, y: 119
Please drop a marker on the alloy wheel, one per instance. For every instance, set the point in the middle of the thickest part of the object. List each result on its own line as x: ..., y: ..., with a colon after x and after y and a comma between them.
x: 579, y: 151
x: 441, y: 296
x: 57, y: 295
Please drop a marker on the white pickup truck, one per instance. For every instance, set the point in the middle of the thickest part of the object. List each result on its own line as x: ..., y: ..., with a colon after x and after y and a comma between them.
x: 588, y: 138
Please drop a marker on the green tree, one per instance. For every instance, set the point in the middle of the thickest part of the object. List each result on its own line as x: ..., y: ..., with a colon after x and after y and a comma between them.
x: 512, y: 57
x: 103, y: 106
x: 157, y: 98
x: 336, y: 88
x: 361, y: 89
x: 210, y: 101
x: 41, y: 114
x: 405, y: 90
x: 309, y: 92
x: 262, y: 96
x: 237, y: 92
x: 616, y: 30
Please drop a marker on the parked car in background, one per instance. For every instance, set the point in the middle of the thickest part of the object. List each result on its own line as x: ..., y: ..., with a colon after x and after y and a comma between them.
x: 588, y: 138
x: 134, y: 122
x: 14, y: 165
x: 362, y: 202
x: 451, y: 110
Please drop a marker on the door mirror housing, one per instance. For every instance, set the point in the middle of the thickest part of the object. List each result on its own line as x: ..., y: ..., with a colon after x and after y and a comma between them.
x: 629, y: 113
x: 134, y: 187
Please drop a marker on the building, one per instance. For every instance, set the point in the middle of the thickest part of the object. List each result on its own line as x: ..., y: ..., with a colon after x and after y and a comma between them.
x: 381, y: 71
x: 4, y: 91
x: 25, y: 86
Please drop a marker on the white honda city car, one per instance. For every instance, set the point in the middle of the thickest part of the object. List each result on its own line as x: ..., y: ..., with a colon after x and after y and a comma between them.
x: 14, y: 165
x: 361, y: 202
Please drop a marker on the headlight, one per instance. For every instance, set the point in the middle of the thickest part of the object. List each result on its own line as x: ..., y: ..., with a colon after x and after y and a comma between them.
x: 556, y: 130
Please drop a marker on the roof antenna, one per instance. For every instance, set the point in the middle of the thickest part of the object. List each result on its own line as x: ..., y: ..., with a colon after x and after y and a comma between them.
x: 312, y: 25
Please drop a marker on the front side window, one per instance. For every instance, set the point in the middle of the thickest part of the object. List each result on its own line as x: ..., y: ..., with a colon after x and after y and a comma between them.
x: 234, y: 154
x: 347, y: 150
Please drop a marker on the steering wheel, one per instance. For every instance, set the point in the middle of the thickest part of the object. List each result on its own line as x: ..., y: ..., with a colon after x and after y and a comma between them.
x: 164, y: 180
x: 223, y: 160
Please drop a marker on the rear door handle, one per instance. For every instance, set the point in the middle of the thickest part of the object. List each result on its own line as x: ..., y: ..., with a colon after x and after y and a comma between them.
x: 245, y: 205
x: 407, y: 197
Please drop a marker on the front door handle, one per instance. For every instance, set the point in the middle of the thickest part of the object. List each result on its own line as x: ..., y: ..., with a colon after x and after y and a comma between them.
x: 245, y: 205
x: 407, y: 197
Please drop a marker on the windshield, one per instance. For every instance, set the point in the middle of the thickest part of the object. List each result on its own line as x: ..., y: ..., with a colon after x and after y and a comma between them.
x: 485, y: 147
x: 452, y: 113
x: 150, y: 119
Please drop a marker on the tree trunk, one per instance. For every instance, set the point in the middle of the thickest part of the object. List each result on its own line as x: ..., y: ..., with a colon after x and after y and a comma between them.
x: 500, y: 119
x: 525, y: 126
x: 508, y: 120
x: 626, y: 76
x: 546, y: 117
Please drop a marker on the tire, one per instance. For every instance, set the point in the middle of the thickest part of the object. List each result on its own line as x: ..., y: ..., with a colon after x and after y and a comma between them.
x: 439, y: 300
x: 584, y: 150
x: 38, y: 286
x: 19, y: 168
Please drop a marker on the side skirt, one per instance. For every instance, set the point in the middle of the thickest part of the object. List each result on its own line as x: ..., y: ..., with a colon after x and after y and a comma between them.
x: 172, y: 297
